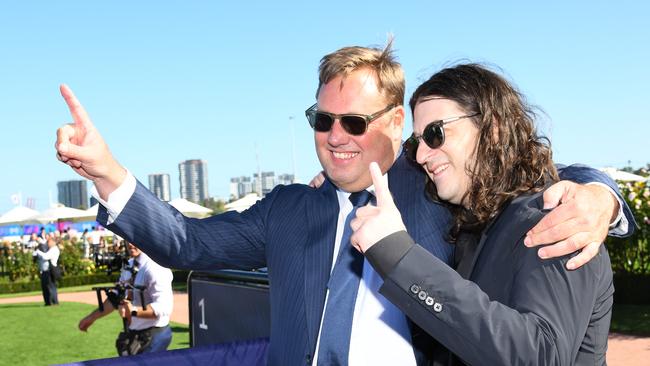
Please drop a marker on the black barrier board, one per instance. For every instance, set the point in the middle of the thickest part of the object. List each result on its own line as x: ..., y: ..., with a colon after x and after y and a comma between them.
x: 227, y: 306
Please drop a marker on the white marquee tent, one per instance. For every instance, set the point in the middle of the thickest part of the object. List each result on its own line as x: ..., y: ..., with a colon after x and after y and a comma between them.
x: 18, y: 214
x: 243, y: 203
x: 623, y: 176
x: 60, y: 212
x: 190, y: 209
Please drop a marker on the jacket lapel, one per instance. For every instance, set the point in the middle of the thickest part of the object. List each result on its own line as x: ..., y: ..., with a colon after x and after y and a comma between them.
x: 322, y: 212
x: 404, y: 187
x: 466, y: 271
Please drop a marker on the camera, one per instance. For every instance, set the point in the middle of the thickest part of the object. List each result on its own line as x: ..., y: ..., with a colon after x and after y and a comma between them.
x: 117, y: 293
x: 114, y: 262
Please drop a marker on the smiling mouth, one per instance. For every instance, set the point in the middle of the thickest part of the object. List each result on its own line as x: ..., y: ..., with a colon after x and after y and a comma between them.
x: 439, y: 169
x: 344, y: 155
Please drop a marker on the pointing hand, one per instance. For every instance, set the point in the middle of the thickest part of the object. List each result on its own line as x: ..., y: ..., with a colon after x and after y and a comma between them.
x: 80, y: 146
x: 374, y: 223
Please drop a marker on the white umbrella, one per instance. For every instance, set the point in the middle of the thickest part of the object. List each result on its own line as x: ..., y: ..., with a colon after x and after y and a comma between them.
x: 623, y: 176
x: 190, y: 209
x: 92, y: 212
x: 60, y: 212
x: 18, y: 214
x: 242, y: 203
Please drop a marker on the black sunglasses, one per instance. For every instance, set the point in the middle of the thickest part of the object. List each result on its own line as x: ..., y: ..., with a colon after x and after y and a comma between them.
x: 354, y: 124
x: 433, y: 135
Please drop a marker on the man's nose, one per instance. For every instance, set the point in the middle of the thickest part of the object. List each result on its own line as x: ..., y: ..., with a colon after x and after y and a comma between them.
x: 424, y: 153
x: 337, y: 135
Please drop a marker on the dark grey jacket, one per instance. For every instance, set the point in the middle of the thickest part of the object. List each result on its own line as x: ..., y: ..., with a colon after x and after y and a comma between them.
x: 516, y: 309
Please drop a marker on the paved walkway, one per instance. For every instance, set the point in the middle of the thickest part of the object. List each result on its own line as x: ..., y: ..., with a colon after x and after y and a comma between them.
x: 623, y: 349
x: 179, y: 315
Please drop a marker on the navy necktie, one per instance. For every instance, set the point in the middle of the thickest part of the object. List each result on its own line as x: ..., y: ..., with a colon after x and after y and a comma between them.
x: 343, y: 287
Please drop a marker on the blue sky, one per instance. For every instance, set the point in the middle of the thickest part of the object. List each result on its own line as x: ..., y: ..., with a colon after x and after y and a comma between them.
x: 170, y: 81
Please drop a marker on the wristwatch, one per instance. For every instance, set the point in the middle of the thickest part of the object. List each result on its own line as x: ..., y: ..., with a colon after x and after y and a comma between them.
x: 134, y: 313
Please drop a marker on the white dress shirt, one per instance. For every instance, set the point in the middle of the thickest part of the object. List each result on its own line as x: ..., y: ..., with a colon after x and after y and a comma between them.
x: 51, y: 255
x: 380, y: 332
x: 158, y: 293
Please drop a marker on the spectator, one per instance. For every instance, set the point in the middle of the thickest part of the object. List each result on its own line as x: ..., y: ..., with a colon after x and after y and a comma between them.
x: 150, y: 318
x: 46, y: 260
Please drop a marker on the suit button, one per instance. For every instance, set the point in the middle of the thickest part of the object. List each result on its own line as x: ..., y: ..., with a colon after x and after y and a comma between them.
x: 422, y: 295
x: 415, y: 289
x: 437, y: 307
x: 429, y: 301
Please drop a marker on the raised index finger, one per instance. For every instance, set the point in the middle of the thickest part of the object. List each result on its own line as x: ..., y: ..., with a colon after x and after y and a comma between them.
x: 381, y: 186
x: 77, y: 111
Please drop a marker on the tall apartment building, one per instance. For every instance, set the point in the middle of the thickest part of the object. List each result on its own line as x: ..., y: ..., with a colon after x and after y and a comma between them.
x: 240, y: 186
x: 193, y: 176
x: 285, y: 179
x: 159, y: 185
x: 266, y: 183
x: 73, y: 193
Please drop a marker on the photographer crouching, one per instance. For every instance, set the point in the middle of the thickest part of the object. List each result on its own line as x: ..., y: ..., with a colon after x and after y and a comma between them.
x: 144, y: 299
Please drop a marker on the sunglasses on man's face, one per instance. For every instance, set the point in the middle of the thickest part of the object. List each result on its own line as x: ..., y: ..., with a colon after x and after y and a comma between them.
x: 433, y: 135
x: 354, y: 124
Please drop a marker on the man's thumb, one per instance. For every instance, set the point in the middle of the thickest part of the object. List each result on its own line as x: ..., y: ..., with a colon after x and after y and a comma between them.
x: 382, y: 193
x: 556, y: 194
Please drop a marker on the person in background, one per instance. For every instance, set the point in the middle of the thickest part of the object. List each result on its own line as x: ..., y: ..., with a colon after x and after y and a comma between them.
x: 150, y: 317
x: 33, y: 242
x: 95, y: 242
x: 85, y: 243
x: 45, y: 261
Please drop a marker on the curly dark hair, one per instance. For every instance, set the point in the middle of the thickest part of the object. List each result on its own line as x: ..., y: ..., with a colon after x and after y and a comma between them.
x: 510, y: 157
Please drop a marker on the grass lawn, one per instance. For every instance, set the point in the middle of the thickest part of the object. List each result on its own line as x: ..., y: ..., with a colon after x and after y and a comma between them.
x: 33, y: 334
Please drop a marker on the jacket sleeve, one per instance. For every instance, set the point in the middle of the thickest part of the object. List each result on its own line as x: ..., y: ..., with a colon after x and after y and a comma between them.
x: 544, y: 323
x: 229, y: 240
x: 583, y: 174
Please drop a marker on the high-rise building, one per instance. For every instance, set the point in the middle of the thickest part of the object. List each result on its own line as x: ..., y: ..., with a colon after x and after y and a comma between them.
x: 73, y: 193
x: 285, y: 179
x: 240, y: 186
x: 193, y: 176
x: 266, y: 183
x: 159, y: 185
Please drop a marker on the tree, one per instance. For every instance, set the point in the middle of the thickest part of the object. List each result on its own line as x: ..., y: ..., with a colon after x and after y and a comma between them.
x: 216, y: 205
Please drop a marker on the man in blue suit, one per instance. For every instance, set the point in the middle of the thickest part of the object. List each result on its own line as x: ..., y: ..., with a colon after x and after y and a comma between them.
x: 325, y: 308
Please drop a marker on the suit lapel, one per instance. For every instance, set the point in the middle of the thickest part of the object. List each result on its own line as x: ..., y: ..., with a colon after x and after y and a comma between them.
x: 466, y: 271
x: 406, y: 185
x: 322, y: 212
x: 468, y: 256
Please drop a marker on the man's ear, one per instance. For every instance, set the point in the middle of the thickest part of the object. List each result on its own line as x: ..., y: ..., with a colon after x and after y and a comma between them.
x: 398, y: 121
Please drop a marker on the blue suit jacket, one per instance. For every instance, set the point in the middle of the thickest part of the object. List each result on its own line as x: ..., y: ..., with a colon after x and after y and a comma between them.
x: 291, y: 231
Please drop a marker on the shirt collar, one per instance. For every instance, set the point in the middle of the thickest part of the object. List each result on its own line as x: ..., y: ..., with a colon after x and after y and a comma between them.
x: 343, y: 195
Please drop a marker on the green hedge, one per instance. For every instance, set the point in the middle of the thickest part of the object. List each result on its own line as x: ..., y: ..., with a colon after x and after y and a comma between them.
x: 66, y: 281
x: 631, y: 256
x: 180, y: 275
x: 632, y: 289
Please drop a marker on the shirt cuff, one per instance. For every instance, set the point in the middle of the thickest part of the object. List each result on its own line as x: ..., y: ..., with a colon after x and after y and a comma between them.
x: 386, y: 253
x: 620, y: 224
x: 118, y: 198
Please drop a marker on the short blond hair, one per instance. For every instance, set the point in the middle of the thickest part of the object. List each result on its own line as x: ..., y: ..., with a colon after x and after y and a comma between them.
x: 389, y: 73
